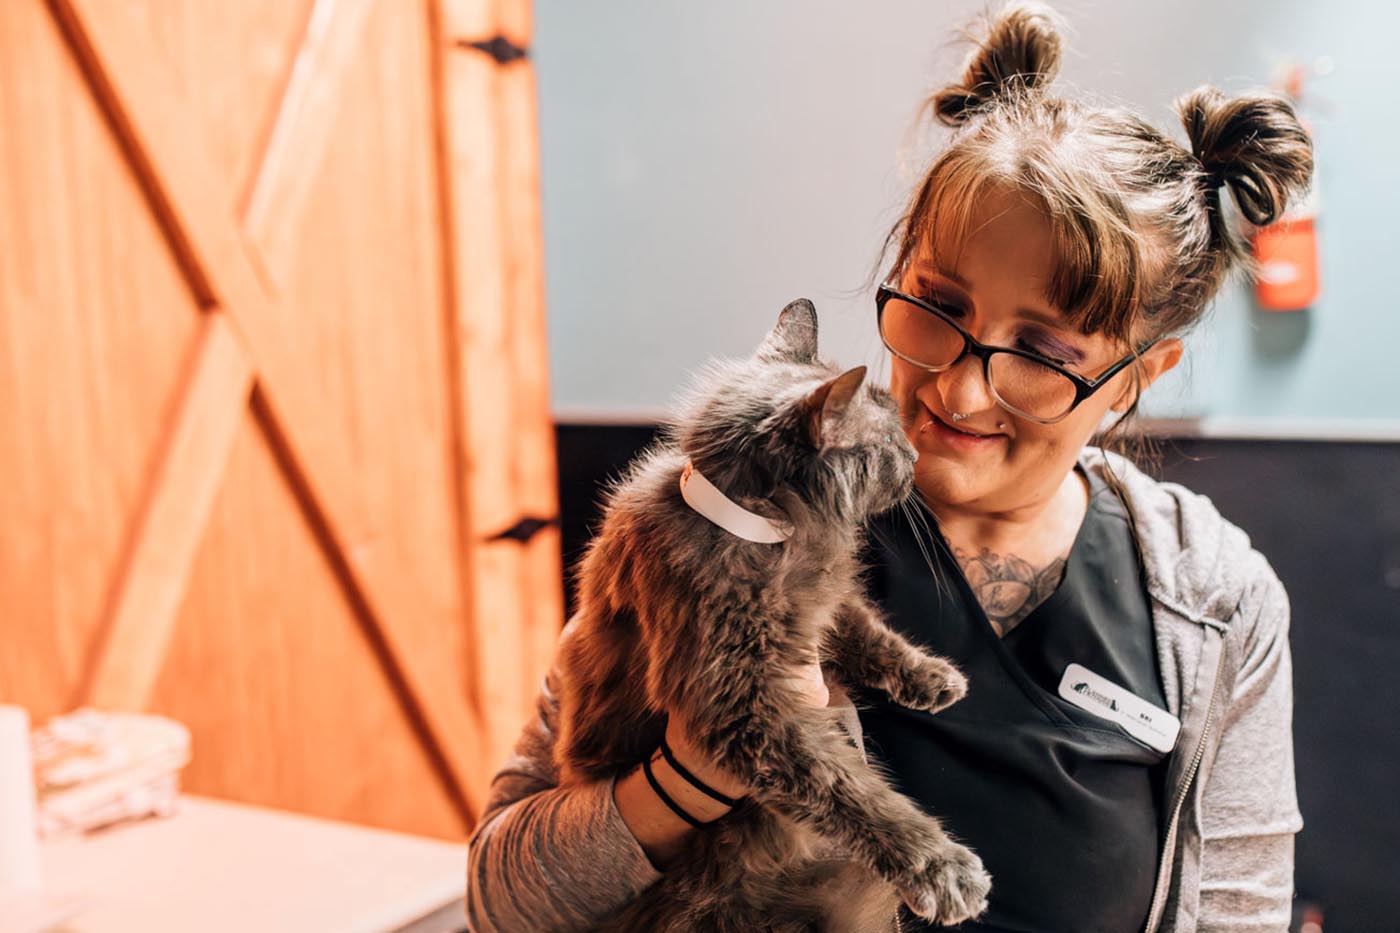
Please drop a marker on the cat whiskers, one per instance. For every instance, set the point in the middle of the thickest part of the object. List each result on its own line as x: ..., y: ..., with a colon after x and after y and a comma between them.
x: 917, y: 513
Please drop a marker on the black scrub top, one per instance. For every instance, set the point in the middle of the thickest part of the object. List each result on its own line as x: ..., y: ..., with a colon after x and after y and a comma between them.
x: 1063, y: 807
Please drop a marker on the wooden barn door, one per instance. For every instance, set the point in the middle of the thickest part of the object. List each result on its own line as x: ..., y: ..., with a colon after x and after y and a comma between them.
x: 277, y: 454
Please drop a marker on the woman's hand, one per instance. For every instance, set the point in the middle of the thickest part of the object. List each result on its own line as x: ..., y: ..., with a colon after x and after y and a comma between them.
x: 661, y: 833
x: 813, y: 688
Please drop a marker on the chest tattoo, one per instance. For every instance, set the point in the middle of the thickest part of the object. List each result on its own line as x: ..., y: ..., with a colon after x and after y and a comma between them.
x: 1007, y: 586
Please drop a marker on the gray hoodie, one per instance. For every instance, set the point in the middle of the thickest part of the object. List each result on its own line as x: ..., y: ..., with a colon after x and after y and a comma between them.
x: 549, y: 858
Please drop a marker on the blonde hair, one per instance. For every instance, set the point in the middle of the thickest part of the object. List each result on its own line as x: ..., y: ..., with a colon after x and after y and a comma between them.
x: 1139, y: 232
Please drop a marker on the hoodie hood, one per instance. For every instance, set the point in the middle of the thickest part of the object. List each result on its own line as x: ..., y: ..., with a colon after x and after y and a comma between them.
x: 1194, y: 561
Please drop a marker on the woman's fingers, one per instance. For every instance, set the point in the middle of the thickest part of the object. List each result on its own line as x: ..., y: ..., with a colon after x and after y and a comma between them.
x: 810, y: 684
x: 814, y: 685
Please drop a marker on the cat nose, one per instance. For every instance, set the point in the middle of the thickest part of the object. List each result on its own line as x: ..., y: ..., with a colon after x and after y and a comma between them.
x: 899, y: 442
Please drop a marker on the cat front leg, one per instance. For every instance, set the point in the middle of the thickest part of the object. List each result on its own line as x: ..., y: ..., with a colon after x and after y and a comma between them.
x: 795, y: 759
x: 808, y: 773
x: 735, y: 705
x: 869, y: 653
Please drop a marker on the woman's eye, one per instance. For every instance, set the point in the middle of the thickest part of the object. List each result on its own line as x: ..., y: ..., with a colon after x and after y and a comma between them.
x: 1041, y: 351
x: 933, y: 301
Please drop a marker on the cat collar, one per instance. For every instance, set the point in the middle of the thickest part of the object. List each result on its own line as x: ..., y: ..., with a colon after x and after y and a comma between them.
x: 704, y: 497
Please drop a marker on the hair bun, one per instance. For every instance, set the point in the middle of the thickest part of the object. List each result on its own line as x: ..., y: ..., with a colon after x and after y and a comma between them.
x: 1017, y: 53
x: 1254, y: 143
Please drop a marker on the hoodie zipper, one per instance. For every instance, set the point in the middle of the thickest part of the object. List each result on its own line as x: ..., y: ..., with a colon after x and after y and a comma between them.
x: 1159, y: 897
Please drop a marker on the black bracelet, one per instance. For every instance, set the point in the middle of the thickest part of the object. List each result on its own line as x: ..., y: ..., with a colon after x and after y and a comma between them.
x: 694, y: 781
x: 666, y: 798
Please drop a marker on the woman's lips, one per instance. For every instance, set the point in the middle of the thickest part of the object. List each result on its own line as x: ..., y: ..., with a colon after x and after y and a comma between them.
x: 952, y: 437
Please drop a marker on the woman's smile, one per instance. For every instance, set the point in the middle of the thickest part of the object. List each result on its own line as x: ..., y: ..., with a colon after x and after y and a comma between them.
x: 958, y: 440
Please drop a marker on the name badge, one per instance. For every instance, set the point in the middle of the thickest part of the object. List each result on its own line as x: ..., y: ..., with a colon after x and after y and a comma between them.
x: 1151, y: 725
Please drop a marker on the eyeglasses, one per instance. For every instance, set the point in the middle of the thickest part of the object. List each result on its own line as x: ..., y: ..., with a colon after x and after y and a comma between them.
x: 1022, y: 382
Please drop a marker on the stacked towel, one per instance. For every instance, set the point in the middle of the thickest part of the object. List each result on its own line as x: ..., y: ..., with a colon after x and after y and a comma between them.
x: 93, y: 768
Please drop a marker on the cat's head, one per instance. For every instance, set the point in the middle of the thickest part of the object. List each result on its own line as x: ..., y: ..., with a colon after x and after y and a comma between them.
x: 784, y: 419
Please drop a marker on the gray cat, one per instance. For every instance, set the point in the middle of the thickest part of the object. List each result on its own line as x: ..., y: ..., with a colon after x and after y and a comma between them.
x: 677, y: 614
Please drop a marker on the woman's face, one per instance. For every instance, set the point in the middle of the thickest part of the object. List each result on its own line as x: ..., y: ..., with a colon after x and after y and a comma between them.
x: 996, y: 292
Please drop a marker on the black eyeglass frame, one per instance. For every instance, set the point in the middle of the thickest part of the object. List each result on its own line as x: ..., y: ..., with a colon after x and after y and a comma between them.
x: 1083, y: 387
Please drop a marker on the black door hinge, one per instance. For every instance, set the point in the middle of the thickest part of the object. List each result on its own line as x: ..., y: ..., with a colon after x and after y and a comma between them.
x: 525, y: 529
x: 500, y: 48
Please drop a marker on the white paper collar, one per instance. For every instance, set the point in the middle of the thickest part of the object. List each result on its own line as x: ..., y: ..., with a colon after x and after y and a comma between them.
x: 704, y: 497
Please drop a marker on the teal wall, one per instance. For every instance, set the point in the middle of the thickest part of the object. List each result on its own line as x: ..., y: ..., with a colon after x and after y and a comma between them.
x: 705, y: 163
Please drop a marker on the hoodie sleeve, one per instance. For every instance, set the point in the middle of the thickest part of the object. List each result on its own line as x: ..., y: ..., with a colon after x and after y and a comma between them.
x: 547, y: 858
x: 1250, y: 806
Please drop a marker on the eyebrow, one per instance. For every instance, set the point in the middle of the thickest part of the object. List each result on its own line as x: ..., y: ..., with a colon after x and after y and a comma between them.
x: 1040, y: 317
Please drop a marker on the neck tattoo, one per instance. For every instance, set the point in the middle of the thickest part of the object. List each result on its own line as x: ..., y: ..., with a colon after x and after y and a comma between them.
x: 1008, y: 587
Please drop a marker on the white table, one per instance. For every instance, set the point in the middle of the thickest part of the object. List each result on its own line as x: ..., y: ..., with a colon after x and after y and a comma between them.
x: 219, y: 866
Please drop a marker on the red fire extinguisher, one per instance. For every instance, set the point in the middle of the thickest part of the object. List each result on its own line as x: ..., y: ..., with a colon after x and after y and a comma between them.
x: 1286, y: 250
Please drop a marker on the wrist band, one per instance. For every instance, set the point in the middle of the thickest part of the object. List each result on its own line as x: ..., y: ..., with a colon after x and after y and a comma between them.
x: 666, y: 798
x: 691, y: 779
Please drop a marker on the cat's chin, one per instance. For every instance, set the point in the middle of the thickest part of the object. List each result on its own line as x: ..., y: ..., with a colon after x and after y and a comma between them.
x: 884, y: 505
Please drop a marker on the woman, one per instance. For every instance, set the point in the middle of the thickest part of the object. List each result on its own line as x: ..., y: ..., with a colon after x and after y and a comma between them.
x: 1123, y: 759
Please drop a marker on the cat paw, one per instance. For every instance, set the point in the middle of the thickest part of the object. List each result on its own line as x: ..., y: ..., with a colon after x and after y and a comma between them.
x: 931, y: 686
x: 950, y: 889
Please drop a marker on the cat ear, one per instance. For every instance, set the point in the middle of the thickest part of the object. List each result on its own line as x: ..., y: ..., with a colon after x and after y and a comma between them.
x: 794, y: 338
x: 827, y: 403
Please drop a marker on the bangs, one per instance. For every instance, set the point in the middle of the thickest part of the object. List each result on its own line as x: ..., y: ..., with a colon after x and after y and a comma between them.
x: 1096, y: 254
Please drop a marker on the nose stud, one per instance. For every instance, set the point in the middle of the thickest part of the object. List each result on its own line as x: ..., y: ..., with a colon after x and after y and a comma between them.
x: 958, y: 417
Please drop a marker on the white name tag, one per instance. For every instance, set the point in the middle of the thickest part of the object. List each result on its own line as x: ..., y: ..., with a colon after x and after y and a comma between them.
x: 1149, y: 724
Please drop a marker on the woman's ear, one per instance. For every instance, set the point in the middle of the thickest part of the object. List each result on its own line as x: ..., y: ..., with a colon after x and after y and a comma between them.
x: 1163, y: 356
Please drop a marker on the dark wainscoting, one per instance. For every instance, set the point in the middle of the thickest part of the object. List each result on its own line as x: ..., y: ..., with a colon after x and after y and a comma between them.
x: 1327, y: 515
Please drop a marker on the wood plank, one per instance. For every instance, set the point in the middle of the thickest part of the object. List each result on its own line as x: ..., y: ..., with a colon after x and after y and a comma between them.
x: 98, y: 328
x: 363, y: 340
x: 234, y: 61
x: 303, y: 128
x: 278, y: 675
x: 136, y: 89
x: 536, y: 479
x: 167, y: 530
x: 485, y: 406
x: 440, y: 50
x: 503, y: 401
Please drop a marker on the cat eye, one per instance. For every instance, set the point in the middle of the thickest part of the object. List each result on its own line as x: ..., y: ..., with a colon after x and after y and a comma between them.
x: 1024, y: 382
